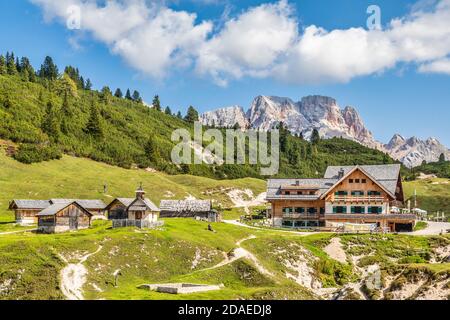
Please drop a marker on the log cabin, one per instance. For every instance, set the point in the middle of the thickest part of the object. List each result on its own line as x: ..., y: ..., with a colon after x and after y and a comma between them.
x: 198, y: 209
x: 62, y: 217
x: 345, y: 195
x: 26, y: 210
x: 138, y: 212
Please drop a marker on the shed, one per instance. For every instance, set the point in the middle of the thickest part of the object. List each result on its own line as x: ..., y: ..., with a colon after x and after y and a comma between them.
x: 200, y: 209
x: 61, y: 217
x: 26, y: 210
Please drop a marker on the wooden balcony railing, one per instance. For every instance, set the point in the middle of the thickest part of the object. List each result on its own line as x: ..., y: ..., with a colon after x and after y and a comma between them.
x: 300, y: 215
x: 357, y: 199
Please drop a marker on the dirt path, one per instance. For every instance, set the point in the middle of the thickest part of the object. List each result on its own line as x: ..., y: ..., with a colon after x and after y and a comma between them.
x: 18, y: 231
x: 73, y: 277
x: 335, y: 250
x: 433, y: 228
x: 239, y: 253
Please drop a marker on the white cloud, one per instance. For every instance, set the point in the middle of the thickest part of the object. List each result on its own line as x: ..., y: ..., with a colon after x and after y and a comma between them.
x: 438, y: 66
x: 263, y: 41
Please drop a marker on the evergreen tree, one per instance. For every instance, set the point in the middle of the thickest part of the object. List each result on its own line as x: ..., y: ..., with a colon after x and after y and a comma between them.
x: 106, y: 95
x: 118, y: 93
x: 442, y: 157
x: 94, y: 126
x: 151, y: 150
x: 3, y: 69
x: 27, y: 70
x: 301, y: 136
x: 191, y: 115
x: 65, y: 85
x: 67, y: 113
x: 18, y: 65
x: 51, y: 124
x: 82, y: 83
x: 168, y: 111
x: 128, y: 95
x: 315, y: 137
x: 11, y: 64
x: 179, y: 115
x: 88, y: 85
x: 48, y: 69
x: 136, y: 96
x: 74, y: 74
x: 156, y: 103
x: 284, y: 133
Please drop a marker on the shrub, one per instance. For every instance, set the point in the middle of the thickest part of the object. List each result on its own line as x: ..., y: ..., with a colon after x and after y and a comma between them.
x: 32, y: 153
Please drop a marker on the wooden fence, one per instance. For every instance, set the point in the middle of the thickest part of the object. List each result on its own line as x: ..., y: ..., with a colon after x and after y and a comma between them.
x: 122, y: 223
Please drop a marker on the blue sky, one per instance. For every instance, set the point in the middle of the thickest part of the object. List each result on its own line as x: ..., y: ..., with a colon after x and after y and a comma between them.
x: 396, y: 97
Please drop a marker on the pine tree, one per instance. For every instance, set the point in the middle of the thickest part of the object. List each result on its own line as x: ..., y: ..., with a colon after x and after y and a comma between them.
x: 51, y: 124
x: 156, y: 103
x: 94, y: 126
x: 136, y: 96
x: 11, y: 64
x: 66, y: 112
x: 191, y: 115
x: 284, y: 133
x: 315, y: 137
x: 151, y: 150
x: 27, y: 70
x: 128, y: 95
x: 82, y: 83
x: 168, y: 111
x: 118, y: 93
x: 106, y: 95
x: 88, y: 85
x: 48, y: 69
x: 3, y: 69
x: 179, y: 115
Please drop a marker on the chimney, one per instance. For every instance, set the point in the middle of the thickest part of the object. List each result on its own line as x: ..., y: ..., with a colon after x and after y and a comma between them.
x: 140, y: 193
x: 341, y: 173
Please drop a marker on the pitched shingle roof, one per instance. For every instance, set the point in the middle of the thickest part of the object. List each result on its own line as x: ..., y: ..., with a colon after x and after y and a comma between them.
x: 386, y: 175
x: 87, y: 204
x: 142, y: 205
x: 30, y: 204
x: 57, y: 207
x: 322, y: 185
x: 185, y: 205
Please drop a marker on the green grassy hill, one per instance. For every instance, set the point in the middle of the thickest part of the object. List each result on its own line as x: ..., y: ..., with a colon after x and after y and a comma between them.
x: 432, y: 194
x: 83, y: 178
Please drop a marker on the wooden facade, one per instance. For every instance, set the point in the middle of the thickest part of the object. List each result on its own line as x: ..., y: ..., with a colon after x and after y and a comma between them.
x: 354, y: 197
x: 62, y: 218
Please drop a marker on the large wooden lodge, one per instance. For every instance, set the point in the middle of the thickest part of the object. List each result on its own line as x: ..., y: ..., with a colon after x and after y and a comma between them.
x: 345, y: 195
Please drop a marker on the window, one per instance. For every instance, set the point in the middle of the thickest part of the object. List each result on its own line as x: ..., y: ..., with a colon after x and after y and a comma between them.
x: 363, y: 181
x: 287, y: 210
x: 322, y: 210
x: 287, y: 223
x: 299, y: 193
x: 375, y: 210
x: 341, y: 193
x: 374, y: 193
x: 300, y: 224
x: 312, y: 193
x: 339, y: 209
x: 356, y: 180
x: 287, y: 193
x: 357, y: 193
x: 312, y: 210
x: 350, y: 180
x: 300, y: 210
x: 358, y: 210
x: 312, y: 223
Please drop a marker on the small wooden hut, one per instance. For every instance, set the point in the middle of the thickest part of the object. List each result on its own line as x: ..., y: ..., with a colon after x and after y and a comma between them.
x: 62, y: 217
x: 26, y: 210
x: 199, y: 209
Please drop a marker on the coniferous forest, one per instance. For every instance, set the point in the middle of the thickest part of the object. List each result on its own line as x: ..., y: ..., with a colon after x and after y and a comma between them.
x: 49, y: 111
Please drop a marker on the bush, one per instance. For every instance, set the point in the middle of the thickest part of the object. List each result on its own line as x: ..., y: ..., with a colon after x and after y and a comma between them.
x: 32, y: 153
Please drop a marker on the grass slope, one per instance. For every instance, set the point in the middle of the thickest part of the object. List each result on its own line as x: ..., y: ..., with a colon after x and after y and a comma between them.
x: 432, y: 194
x: 83, y: 178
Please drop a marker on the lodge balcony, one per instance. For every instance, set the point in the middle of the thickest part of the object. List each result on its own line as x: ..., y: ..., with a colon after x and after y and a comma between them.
x: 357, y: 199
x: 371, y: 216
x: 302, y: 215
